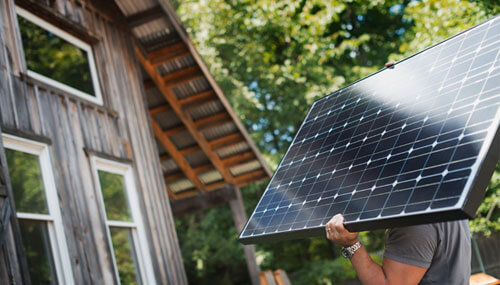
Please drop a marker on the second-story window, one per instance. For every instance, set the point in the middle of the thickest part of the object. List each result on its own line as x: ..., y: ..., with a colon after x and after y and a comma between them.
x: 57, y: 58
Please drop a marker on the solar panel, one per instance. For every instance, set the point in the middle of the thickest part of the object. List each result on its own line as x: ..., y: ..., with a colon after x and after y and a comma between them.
x: 413, y: 143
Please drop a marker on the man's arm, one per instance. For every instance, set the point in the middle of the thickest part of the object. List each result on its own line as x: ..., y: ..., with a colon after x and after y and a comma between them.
x: 369, y: 272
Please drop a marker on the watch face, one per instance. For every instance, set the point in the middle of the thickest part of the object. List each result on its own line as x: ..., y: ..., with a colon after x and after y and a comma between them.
x: 345, y: 253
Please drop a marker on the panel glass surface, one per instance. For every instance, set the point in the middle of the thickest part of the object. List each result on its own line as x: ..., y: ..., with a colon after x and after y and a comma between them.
x: 400, y: 142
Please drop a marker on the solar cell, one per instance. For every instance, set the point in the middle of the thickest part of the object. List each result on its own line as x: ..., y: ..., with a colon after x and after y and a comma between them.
x: 413, y: 143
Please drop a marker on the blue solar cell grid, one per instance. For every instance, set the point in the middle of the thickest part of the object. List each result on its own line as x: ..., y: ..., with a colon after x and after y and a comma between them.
x: 408, y: 140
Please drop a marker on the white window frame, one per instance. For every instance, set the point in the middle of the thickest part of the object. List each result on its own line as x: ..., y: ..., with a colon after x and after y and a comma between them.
x: 59, y: 247
x: 137, y: 228
x: 97, y: 99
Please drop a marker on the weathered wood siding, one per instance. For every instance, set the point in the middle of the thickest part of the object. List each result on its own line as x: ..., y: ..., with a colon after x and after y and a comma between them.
x: 120, y: 128
x: 12, y: 268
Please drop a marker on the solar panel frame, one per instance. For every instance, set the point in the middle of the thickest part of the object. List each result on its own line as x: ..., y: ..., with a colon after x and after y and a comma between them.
x: 469, y: 201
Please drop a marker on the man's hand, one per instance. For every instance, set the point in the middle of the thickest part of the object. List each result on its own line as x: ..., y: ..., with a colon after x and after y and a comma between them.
x: 391, y: 272
x: 336, y: 232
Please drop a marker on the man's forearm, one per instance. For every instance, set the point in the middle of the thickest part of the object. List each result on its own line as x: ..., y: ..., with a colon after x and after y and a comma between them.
x: 368, y: 271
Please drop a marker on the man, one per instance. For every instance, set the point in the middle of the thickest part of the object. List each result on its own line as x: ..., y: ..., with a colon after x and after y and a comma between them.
x: 437, y: 253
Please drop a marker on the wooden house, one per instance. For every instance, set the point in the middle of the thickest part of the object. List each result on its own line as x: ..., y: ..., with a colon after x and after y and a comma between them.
x: 110, y: 125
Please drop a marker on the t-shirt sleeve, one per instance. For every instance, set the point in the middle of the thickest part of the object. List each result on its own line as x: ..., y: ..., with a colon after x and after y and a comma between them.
x: 414, y: 245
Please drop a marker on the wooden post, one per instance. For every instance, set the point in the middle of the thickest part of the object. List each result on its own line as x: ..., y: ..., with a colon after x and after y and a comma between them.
x: 240, y: 218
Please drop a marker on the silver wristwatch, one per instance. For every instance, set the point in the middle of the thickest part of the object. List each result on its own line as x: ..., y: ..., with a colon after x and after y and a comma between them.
x: 348, y: 252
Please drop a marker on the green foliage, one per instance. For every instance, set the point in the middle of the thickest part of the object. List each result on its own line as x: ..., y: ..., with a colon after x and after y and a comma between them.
x: 27, y: 184
x: 373, y: 240
x: 36, y: 245
x: 114, y: 196
x: 124, y: 256
x: 209, y: 249
x: 325, y: 272
x: 272, y: 59
x: 434, y: 21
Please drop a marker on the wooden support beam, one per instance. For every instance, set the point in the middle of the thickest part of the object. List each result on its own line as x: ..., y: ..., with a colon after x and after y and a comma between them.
x: 176, y: 155
x: 240, y: 218
x: 166, y: 52
x: 190, y: 149
x: 250, y: 175
x: 171, y: 194
x: 169, y: 59
x: 175, y: 176
x: 187, y: 193
x: 215, y: 124
x: 145, y: 16
x: 223, y: 116
x: 181, y: 74
x: 214, y: 144
x: 186, y: 79
x: 216, y: 185
x: 226, y: 140
x: 159, y: 109
x: 229, y: 161
x: 197, y: 97
x: 184, y: 117
x: 174, y: 130
x: 238, y: 158
x: 203, y: 168
x: 201, y: 103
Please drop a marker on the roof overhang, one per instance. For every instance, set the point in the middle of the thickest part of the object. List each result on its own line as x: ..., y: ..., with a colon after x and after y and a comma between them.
x: 202, y: 144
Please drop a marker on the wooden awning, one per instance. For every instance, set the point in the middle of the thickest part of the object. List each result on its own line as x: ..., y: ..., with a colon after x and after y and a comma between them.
x: 203, y: 146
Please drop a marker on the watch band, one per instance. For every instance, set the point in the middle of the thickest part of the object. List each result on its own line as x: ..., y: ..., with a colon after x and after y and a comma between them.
x: 348, y: 252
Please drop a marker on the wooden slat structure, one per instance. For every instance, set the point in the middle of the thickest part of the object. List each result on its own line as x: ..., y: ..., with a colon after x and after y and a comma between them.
x: 208, y: 145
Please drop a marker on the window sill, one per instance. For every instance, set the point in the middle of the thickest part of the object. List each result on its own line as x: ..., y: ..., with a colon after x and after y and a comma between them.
x: 30, y: 80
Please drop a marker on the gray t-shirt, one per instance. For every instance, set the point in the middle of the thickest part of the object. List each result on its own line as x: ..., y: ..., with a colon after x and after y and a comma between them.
x: 443, y: 248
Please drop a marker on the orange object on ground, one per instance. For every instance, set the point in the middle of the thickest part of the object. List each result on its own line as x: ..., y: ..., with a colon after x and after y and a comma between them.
x: 483, y: 279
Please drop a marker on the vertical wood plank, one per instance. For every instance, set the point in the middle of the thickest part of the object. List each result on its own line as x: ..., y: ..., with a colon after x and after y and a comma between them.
x: 38, y: 107
x: 90, y: 215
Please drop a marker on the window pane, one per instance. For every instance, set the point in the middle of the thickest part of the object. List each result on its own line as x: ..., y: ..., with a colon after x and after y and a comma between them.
x: 115, y: 199
x: 27, y: 183
x: 125, y: 256
x: 38, y: 253
x: 54, y: 57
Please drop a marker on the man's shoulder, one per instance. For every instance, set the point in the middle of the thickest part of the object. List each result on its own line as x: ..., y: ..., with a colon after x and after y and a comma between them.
x: 414, y: 228
x: 434, y: 226
x: 434, y: 231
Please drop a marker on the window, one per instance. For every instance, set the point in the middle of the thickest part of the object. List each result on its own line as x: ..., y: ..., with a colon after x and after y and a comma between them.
x: 38, y: 212
x: 126, y: 233
x: 57, y: 58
